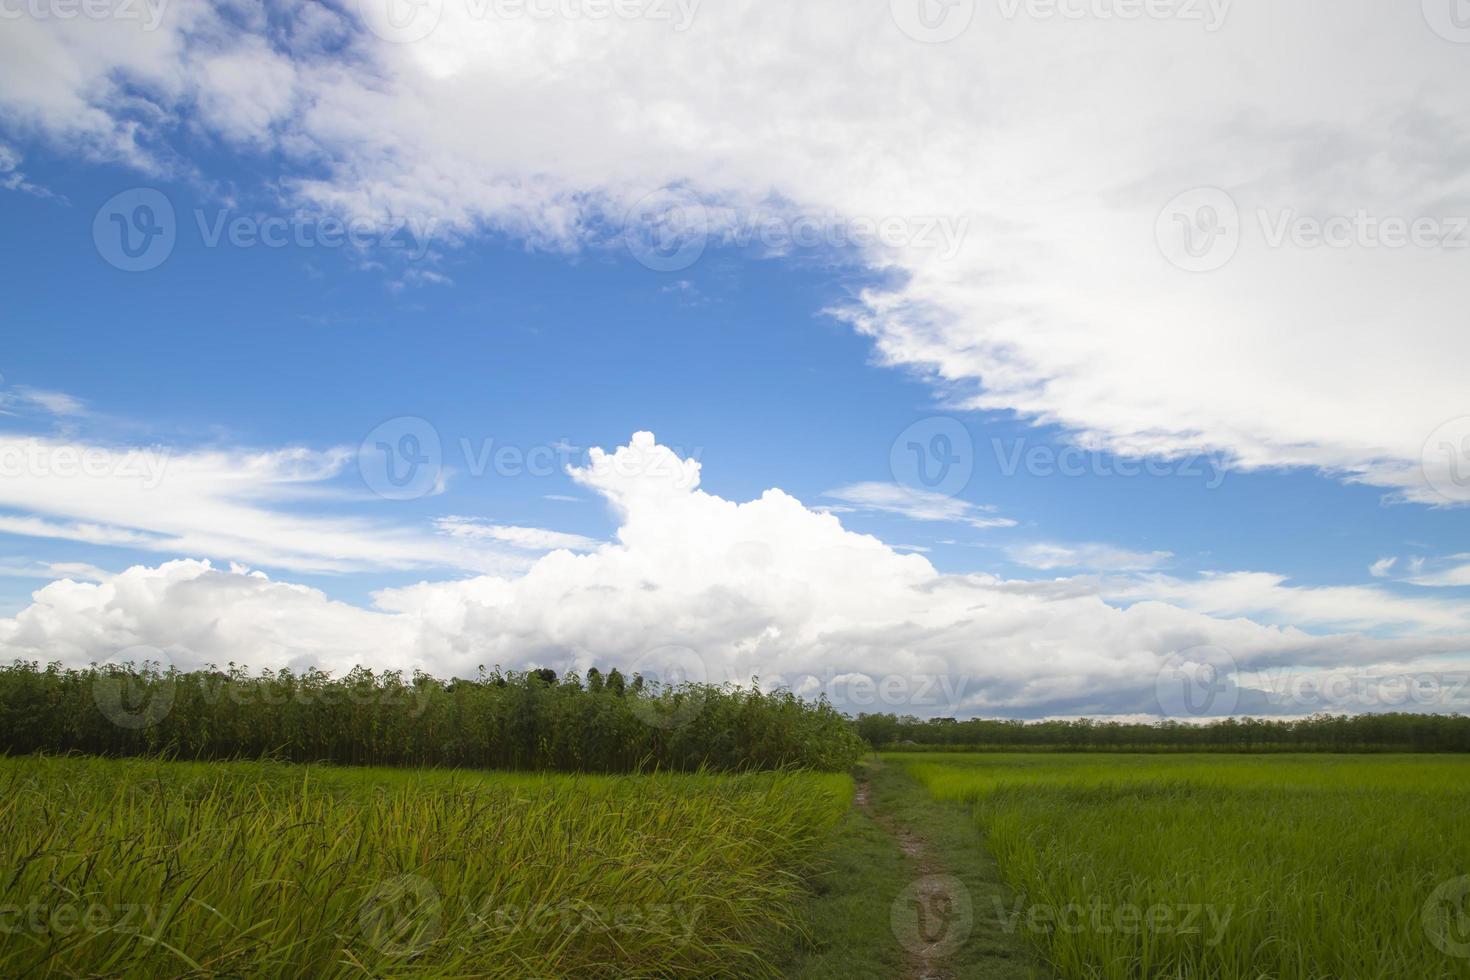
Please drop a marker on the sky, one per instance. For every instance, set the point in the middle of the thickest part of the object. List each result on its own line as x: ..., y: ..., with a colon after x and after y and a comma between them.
x: 1016, y: 359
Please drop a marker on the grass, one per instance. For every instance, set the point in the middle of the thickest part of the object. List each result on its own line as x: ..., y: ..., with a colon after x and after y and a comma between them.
x: 1103, y: 867
x: 1293, y: 867
x: 147, y: 868
x: 850, y: 915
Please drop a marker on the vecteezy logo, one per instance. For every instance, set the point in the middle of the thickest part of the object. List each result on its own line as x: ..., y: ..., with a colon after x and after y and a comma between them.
x: 135, y: 231
x: 132, y: 700
x: 1450, y: 19
x: 1199, y: 231
x: 1445, y: 460
x: 932, y: 21
x: 402, y: 459
x: 1446, y: 919
x: 933, y: 456
x: 673, y: 694
x: 933, y: 916
x: 667, y: 230
x: 402, y: 916
x: 1197, y: 681
x: 401, y: 21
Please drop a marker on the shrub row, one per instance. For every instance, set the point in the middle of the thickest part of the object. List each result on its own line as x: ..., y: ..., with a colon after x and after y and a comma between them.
x: 1388, y: 732
x: 531, y: 720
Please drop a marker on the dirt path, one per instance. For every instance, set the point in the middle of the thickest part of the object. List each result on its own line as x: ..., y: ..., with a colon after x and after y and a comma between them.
x: 925, y: 952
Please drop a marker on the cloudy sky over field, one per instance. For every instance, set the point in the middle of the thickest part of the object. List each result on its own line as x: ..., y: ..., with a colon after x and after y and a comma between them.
x: 1032, y: 357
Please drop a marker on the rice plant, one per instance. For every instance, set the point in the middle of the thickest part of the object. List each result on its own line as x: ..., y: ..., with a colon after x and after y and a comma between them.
x: 1295, y: 867
x: 149, y: 868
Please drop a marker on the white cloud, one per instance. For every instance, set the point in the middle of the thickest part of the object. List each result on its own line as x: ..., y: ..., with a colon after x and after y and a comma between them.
x: 1101, y: 557
x: 1449, y: 571
x: 765, y: 587
x: 230, y: 505
x: 918, y: 505
x: 1266, y: 595
x: 56, y: 403
x: 197, y: 615
x: 1051, y: 137
x: 13, y: 179
x: 526, y: 538
x: 1452, y: 572
x: 1448, y: 578
x: 53, y: 570
x: 246, y: 90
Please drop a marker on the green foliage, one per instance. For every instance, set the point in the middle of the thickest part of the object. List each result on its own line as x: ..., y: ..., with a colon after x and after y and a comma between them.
x: 1388, y: 732
x: 1228, y: 867
x: 149, y: 868
x: 519, y: 721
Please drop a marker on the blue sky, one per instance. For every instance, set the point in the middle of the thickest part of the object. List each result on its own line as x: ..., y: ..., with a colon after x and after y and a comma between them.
x: 731, y: 357
x: 1274, y: 477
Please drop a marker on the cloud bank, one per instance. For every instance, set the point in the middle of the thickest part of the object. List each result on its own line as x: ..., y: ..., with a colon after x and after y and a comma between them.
x: 766, y: 587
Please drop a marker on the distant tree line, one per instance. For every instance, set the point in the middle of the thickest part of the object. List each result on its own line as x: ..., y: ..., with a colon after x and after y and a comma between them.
x: 600, y: 722
x: 1395, y: 732
x: 532, y: 720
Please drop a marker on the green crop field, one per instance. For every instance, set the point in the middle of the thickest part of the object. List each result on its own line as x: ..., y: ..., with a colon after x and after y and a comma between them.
x: 1291, y: 867
x: 530, y: 825
x: 994, y: 865
x: 143, y: 868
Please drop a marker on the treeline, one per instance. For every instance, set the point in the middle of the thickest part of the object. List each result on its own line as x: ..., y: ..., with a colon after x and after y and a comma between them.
x: 531, y: 720
x: 537, y: 720
x: 1397, y: 732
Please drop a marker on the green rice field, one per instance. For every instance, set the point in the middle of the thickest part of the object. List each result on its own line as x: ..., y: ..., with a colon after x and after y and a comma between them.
x: 144, y: 868
x: 1041, y: 865
x: 1224, y: 866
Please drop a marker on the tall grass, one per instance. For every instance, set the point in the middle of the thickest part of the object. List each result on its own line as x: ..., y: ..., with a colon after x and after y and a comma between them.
x: 1298, y: 868
x: 147, y: 868
x: 525, y: 721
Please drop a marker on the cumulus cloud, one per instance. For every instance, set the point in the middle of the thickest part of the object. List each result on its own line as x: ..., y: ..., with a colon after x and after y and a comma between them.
x: 766, y: 587
x: 193, y: 614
